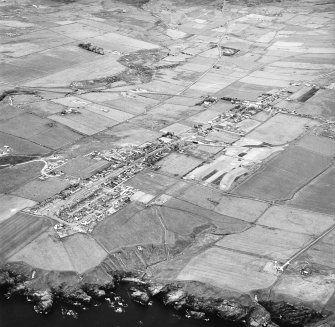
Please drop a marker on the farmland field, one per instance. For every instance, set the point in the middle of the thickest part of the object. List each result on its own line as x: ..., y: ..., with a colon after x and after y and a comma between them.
x: 83, y: 251
x: 152, y: 183
x: 282, y: 176
x: 189, y: 144
x: 280, y: 129
x: 20, y: 230
x: 318, y: 195
x: 228, y: 270
x: 178, y: 164
x: 13, y: 177
x: 129, y: 226
x: 296, y: 220
x: 10, y: 205
x: 22, y: 146
x: 45, y: 252
x: 40, y: 190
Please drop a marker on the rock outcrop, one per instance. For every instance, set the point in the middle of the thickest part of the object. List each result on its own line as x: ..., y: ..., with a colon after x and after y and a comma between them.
x: 139, y: 295
x: 43, y: 301
x: 193, y: 299
x: 227, y: 306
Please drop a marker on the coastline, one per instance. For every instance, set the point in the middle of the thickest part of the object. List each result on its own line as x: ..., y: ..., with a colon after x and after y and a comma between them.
x: 196, y: 300
x: 184, y: 156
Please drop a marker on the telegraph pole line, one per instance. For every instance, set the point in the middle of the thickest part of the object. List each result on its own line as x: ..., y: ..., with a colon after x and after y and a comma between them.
x: 306, y: 248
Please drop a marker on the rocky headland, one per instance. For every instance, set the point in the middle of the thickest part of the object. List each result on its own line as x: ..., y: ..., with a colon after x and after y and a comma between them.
x: 194, y: 299
x: 185, y: 148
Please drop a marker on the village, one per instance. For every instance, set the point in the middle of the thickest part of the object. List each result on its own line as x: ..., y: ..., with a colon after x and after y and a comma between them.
x: 187, y: 145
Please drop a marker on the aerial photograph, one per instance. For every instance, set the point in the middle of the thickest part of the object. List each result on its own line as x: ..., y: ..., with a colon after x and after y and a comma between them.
x: 167, y: 163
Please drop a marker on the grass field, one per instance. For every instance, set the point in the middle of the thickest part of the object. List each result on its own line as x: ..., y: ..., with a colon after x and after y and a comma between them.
x: 280, y: 129
x: 212, y: 199
x: 13, y: 177
x: 241, y: 208
x: 320, y: 104
x: 127, y: 227
x: 322, y: 254
x: 284, y: 174
x: 228, y: 270
x: 318, y: 195
x: 83, y: 167
x: 116, y: 42
x: 134, y: 106
x: 273, y: 243
x: 85, y: 122
x: 96, y: 68
x: 43, y: 109
x: 178, y: 164
x: 7, y: 111
x: 128, y: 133
x: 77, y: 252
x: 198, y: 216
x: 150, y: 182
x: 40, y: 131
x: 25, y: 125
x: 204, y: 151
x: 22, y: 146
x: 10, y: 205
x: 202, y: 196
x: 45, y: 252
x: 321, y: 145
x: 181, y: 222
x: 296, y: 220
x: 314, y: 290
x: 84, y: 146
x: 84, y: 252
x: 164, y: 115
x: 19, y: 230
x: 74, y: 102
x: 38, y: 190
x: 56, y: 137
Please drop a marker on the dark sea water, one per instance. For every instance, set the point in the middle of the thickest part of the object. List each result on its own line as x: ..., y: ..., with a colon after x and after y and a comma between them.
x: 16, y: 312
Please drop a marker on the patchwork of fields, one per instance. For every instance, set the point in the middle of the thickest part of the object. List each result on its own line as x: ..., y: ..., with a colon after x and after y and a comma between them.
x: 199, y: 146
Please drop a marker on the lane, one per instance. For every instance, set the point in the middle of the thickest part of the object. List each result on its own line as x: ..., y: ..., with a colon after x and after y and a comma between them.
x: 306, y: 248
